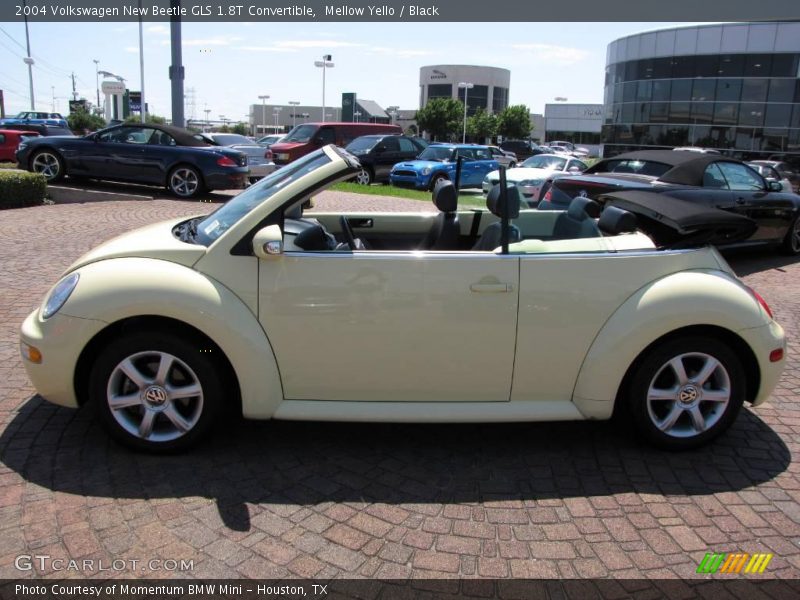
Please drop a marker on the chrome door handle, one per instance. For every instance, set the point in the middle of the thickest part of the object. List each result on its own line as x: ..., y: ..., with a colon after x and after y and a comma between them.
x: 491, y: 288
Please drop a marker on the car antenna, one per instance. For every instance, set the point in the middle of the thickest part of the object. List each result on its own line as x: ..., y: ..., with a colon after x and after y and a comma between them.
x: 504, y: 224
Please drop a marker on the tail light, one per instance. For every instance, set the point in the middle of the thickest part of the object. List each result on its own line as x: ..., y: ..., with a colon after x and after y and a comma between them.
x: 224, y: 161
x: 761, y: 301
x: 548, y: 195
x: 268, y: 154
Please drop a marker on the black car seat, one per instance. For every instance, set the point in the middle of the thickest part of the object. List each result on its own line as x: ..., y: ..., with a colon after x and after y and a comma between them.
x: 614, y: 220
x: 445, y: 231
x: 578, y: 221
x: 492, y: 236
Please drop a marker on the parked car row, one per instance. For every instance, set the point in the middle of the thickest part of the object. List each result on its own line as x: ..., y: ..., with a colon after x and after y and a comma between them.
x: 532, y: 174
x: 31, y: 117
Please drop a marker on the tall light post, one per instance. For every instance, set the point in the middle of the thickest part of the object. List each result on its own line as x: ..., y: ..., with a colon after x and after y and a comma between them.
x: 263, y: 99
x: 467, y: 86
x: 141, y: 69
x: 295, y: 104
x: 357, y: 116
x: 392, y: 112
x: 97, y: 78
x: 28, y: 60
x: 208, y: 123
x: 276, y: 113
x: 324, y: 64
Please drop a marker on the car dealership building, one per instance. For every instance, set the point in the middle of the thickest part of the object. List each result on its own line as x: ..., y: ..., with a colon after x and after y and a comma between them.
x: 733, y: 87
x: 489, y: 86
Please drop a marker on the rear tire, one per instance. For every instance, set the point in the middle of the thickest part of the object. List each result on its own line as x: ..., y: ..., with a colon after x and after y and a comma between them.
x: 686, y: 392
x: 156, y: 391
x: 185, y: 182
x: 791, y: 243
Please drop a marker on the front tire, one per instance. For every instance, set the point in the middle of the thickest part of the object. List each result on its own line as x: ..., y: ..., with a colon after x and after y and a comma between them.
x: 155, y: 391
x: 185, y: 182
x: 48, y: 163
x: 686, y: 392
x: 364, y: 177
x: 436, y: 179
x: 791, y: 243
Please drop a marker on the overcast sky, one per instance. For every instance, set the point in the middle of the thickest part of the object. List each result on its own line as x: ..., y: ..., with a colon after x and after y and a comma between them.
x: 230, y: 64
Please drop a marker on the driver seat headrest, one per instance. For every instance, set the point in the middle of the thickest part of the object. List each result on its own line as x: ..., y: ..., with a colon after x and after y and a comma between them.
x: 615, y: 220
x: 582, y: 207
x: 495, y: 206
x: 445, y: 196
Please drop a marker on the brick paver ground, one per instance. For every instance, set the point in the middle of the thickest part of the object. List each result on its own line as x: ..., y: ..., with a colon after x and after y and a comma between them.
x: 274, y: 499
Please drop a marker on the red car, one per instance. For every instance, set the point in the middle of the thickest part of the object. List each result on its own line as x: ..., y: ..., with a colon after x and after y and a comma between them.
x: 9, y: 140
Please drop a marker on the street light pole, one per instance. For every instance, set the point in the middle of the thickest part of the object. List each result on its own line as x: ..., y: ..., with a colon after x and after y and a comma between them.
x: 97, y: 78
x: 263, y: 113
x: 28, y: 60
x: 325, y: 63
x: 295, y: 104
x: 141, y: 68
x: 467, y: 86
x: 276, y: 112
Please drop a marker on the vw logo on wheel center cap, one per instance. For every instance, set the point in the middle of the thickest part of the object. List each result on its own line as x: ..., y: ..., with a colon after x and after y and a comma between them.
x: 155, y: 396
x: 688, y: 394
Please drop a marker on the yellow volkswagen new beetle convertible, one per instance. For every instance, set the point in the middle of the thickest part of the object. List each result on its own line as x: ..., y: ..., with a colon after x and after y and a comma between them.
x: 452, y: 316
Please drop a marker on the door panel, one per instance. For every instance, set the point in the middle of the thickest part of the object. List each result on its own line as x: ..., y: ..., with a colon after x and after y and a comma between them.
x: 564, y: 302
x: 391, y: 326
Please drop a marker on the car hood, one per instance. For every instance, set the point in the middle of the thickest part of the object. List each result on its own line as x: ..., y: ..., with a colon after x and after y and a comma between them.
x: 675, y: 223
x: 521, y: 174
x: 153, y: 241
x: 419, y: 165
x: 286, y: 146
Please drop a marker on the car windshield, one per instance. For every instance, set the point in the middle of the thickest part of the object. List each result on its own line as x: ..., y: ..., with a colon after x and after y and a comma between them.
x: 555, y: 163
x: 436, y: 153
x: 214, y: 225
x: 301, y: 133
x: 362, y: 143
x: 229, y: 139
x: 269, y: 139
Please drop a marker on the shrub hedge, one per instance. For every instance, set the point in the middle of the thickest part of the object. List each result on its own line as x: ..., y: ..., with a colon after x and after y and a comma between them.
x: 20, y: 188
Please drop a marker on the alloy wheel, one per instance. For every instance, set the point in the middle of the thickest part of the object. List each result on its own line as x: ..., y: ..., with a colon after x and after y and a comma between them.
x: 155, y: 396
x: 794, y: 240
x: 363, y: 177
x: 46, y: 164
x: 184, y: 182
x: 688, y: 395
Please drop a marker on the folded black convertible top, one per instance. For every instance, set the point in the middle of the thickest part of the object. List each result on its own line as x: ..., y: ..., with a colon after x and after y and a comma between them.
x: 675, y: 223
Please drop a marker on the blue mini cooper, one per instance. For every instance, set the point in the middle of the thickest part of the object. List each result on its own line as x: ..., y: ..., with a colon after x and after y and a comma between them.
x: 438, y: 161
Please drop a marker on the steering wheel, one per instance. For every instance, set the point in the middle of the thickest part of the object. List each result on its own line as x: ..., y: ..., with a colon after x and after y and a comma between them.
x: 349, y: 236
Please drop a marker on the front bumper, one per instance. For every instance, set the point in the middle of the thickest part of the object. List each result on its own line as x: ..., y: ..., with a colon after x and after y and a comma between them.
x: 763, y: 340
x: 419, y: 182
x: 60, y: 339
x: 235, y: 179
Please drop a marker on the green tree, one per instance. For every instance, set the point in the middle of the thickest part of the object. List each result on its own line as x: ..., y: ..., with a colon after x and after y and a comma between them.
x: 514, y: 122
x: 441, y: 117
x: 240, y: 128
x: 148, y: 118
x: 82, y: 120
x: 482, y: 125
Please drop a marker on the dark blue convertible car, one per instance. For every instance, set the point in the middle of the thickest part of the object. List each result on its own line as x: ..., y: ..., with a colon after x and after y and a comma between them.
x: 150, y: 154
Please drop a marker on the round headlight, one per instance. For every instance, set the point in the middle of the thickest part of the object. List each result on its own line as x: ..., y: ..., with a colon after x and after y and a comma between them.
x: 426, y: 171
x: 59, y: 294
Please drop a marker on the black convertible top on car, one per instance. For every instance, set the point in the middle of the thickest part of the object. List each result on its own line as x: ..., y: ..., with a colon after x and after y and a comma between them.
x: 685, y: 167
x: 183, y: 137
x: 674, y: 223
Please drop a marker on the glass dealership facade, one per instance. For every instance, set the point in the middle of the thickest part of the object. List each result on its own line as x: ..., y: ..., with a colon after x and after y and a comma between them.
x: 732, y: 87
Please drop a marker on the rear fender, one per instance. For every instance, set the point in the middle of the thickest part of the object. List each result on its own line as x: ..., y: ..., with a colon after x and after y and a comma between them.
x: 685, y: 299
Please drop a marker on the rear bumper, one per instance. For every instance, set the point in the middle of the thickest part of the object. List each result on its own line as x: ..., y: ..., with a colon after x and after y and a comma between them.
x: 764, y: 340
x: 234, y: 179
x: 262, y: 170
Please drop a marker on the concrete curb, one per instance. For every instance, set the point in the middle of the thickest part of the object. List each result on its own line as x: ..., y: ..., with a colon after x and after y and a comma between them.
x: 71, y: 195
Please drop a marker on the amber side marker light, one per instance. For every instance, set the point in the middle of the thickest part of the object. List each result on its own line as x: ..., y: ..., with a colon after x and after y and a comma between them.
x: 31, y: 353
x: 776, y: 355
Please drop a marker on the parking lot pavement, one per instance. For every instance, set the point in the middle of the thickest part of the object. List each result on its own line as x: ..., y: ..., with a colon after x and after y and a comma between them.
x: 326, y: 500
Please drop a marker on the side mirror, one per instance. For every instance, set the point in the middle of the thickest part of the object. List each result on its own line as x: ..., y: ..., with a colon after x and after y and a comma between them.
x: 268, y: 242
x: 774, y: 186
